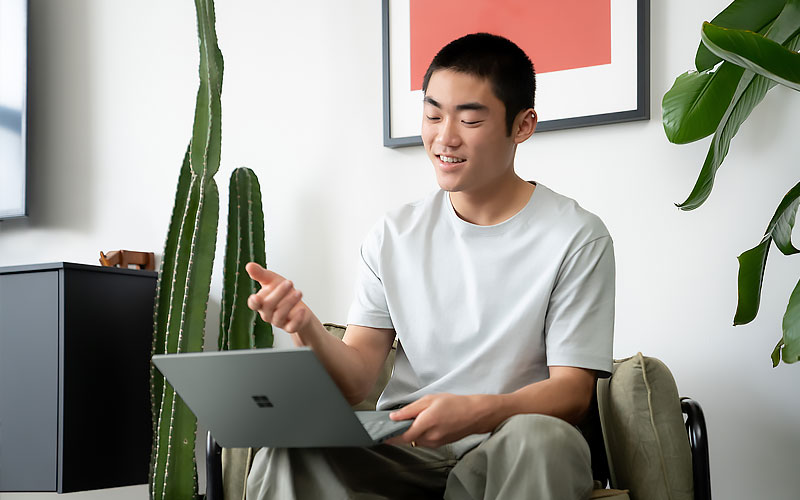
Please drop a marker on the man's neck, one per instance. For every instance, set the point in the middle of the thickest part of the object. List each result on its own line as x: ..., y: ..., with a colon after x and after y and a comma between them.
x: 494, y: 204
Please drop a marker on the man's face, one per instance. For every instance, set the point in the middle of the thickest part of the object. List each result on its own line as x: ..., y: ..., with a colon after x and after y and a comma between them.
x: 464, y: 132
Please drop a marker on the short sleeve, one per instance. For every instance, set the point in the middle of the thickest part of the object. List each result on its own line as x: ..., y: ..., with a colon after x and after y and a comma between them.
x: 369, y: 303
x: 579, y: 326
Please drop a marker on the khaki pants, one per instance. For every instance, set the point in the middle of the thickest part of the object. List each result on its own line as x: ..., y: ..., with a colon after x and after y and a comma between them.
x: 526, y: 457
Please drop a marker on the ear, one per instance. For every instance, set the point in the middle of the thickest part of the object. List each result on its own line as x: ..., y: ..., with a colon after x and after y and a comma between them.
x: 524, y: 125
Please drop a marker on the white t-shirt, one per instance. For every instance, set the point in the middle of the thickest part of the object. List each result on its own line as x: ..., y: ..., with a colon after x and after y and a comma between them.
x: 486, y: 309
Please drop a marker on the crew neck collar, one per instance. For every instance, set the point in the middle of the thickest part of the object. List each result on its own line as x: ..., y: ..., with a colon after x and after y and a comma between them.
x: 465, y: 227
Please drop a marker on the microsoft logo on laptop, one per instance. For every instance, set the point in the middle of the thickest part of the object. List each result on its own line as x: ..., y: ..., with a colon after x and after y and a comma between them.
x: 262, y: 401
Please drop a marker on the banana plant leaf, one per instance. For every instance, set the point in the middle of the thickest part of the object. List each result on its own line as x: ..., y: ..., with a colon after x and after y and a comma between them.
x: 752, y: 263
x: 752, y: 15
x: 788, y: 347
x: 754, y: 52
x: 751, y: 275
x: 694, y: 106
x: 750, y: 91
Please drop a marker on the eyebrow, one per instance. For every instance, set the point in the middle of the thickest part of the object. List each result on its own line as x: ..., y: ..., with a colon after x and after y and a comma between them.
x: 469, y: 106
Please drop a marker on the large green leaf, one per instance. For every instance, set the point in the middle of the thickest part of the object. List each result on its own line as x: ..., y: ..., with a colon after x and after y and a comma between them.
x: 782, y: 222
x: 696, y: 103
x: 752, y: 263
x: 751, y: 90
x: 751, y: 15
x: 789, y: 346
x: 694, y: 106
x: 751, y: 275
x: 754, y: 52
x: 776, y: 353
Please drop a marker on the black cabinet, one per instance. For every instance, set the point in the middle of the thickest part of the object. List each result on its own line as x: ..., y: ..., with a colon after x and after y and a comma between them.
x: 75, y: 345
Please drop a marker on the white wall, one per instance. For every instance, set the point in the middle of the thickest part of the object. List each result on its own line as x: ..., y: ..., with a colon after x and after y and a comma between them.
x: 111, y: 105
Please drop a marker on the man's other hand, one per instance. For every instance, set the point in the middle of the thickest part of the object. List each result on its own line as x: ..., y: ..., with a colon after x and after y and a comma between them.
x: 278, y: 302
x: 440, y: 419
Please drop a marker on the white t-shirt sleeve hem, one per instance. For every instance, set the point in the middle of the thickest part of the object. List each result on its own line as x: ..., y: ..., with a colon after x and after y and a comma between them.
x: 601, y: 364
x: 361, y: 318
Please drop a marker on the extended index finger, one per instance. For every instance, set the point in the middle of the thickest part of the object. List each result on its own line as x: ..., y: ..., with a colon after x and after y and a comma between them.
x: 263, y: 276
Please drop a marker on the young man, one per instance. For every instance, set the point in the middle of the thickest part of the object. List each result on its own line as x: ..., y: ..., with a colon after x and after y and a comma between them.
x: 501, y: 295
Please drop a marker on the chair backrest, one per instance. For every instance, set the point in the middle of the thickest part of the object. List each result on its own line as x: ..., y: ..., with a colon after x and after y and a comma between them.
x: 643, y: 428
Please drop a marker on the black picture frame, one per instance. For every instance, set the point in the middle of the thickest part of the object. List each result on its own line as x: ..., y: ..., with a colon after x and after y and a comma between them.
x: 642, y: 111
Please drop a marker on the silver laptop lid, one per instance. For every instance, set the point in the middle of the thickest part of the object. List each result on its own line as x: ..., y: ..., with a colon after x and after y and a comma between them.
x: 264, y: 397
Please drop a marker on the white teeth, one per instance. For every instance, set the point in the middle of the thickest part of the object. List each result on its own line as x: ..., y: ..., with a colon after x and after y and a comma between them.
x: 450, y: 159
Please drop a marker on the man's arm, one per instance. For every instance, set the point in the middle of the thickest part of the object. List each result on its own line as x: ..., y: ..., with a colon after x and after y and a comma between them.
x: 354, y: 363
x: 444, y: 418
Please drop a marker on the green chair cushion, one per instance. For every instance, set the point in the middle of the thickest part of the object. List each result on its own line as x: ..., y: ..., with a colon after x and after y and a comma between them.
x: 646, y: 443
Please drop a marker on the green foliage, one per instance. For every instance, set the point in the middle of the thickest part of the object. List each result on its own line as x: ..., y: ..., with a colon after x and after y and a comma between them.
x: 240, y: 327
x: 754, y: 52
x: 752, y: 264
x: 694, y: 106
x: 788, y: 347
x: 751, y: 15
x: 758, y: 40
x: 185, y: 276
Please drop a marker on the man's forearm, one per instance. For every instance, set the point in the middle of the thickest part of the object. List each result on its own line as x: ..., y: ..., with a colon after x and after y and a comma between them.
x: 343, y: 362
x: 565, y: 398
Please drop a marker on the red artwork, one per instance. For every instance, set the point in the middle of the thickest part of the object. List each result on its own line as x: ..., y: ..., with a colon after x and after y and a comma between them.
x: 556, y: 35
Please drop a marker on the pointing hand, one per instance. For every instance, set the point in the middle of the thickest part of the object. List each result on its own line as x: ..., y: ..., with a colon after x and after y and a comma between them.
x: 278, y: 302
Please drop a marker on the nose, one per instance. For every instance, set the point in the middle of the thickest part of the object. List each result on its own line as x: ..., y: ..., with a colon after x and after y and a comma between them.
x: 448, y: 133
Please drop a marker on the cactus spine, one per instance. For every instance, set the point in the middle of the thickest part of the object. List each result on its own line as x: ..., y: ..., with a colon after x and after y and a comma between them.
x: 240, y: 327
x: 185, y: 276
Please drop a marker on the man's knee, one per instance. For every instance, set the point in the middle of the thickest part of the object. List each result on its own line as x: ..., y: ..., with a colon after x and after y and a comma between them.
x: 542, y: 433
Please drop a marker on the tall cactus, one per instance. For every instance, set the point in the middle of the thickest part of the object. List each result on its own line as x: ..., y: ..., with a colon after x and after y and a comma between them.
x: 240, y: 327
x: 185, y: 276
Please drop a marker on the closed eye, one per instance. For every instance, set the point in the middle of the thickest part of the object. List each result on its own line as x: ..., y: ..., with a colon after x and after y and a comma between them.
x: 465, y: 122
x: 432, y: 118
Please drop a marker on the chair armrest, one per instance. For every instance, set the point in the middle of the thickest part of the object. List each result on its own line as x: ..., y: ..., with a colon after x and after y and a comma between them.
x: 213, y: 469
x: 698, y: 440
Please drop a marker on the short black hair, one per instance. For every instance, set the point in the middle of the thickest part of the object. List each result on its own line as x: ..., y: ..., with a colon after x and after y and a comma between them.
x: 509, y: 70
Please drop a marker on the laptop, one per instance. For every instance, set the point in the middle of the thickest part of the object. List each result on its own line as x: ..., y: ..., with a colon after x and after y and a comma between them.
x: 281, y: 398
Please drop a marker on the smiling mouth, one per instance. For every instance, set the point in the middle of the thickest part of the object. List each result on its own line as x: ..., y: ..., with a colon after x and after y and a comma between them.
x: 450, y: 159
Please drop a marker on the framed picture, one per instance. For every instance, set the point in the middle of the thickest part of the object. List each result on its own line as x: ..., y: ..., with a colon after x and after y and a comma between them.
x: 591, y: 57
